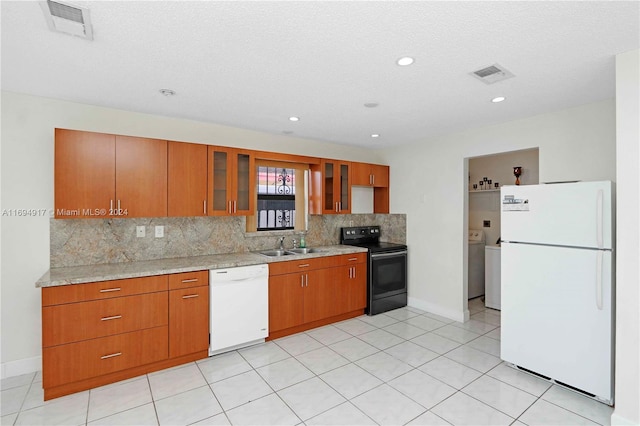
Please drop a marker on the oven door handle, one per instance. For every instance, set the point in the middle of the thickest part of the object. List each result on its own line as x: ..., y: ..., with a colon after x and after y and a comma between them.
x: 395, y: 253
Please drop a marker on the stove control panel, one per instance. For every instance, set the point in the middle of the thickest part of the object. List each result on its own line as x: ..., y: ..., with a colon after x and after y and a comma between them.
x: 368, y: 233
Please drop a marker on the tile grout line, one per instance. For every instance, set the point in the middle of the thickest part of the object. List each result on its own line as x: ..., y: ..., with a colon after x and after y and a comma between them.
x: 378, y: 351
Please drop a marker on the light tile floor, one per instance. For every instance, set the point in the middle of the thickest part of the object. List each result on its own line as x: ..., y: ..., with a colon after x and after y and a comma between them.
x: 401, y: 367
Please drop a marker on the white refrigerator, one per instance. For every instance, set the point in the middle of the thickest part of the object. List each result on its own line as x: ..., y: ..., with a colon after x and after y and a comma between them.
x: 557, y: 283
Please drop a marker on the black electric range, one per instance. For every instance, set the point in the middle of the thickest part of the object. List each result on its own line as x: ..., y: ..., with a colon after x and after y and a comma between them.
x: 386, y: 268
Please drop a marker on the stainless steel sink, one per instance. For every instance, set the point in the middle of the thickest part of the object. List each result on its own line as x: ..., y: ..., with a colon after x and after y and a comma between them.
x: 274, y: 253
x: 305, y: 250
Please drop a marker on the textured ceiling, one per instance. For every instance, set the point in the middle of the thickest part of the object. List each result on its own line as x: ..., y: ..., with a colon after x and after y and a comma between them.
x: 254, y: 64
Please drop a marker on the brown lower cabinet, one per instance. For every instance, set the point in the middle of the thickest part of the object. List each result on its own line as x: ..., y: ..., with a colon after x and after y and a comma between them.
x: 99, y: 333
x: 188, y: 321
x: 310, y: 293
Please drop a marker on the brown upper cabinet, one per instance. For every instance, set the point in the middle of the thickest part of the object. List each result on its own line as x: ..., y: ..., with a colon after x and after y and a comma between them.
x: 331, y: 187
x: 375, y: 175
x: 232, y: 181
x: 101, y: 175
x: 187, y: 179
x: 84, y: 173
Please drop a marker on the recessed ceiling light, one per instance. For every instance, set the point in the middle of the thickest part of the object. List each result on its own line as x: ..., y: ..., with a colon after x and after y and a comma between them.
x: 404, y: 61
x: 498, y: 99
x: 294, y: 118
x: 375, y: 135
x: 371, y: 104
x: 167, y: 92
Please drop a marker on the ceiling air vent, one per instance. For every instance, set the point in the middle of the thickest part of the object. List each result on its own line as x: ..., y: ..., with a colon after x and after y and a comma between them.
x: 67, y: 18
x: 492, y: 74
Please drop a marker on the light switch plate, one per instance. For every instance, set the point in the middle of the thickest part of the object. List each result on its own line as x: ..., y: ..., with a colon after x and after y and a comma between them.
x: 140, y: 231
x: 159, y: 231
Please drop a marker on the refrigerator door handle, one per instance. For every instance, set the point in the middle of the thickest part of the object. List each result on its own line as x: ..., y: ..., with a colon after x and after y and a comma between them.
x: 599, y: 218
x: 599, y: 260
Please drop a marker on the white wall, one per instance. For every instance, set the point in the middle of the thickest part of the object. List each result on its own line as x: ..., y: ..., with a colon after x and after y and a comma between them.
x: 27, y: 182
x: 429, y: 184
x: 627, y: 410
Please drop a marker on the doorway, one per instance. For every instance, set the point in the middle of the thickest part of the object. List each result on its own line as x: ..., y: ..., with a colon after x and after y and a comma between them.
x: 486, y: 175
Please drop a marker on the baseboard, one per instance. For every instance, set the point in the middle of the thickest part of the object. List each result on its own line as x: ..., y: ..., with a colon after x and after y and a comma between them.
x: 21, y: 366
x: 438, y: 310
x: 617, y: 420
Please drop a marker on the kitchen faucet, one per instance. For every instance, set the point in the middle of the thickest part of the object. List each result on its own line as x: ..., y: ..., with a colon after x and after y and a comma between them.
x: 281, y: 243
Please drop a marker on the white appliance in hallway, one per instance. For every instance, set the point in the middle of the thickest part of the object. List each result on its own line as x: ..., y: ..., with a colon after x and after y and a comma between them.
x: 239, y: 307
x: 557, y: 283
x: 492, y: 277
x: 476, y: 264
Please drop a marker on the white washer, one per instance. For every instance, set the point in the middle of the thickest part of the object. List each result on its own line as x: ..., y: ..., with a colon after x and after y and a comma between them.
x: 476, y: 263
x: 492, y: 277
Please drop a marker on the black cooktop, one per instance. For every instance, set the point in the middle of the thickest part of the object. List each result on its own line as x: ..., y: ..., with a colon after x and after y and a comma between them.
x: 368, y: 237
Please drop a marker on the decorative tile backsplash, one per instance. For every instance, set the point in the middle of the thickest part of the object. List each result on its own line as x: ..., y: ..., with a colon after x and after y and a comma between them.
x: 77, y: 242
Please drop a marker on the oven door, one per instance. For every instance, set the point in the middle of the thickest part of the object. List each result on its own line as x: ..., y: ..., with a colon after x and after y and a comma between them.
x: 388, y: 274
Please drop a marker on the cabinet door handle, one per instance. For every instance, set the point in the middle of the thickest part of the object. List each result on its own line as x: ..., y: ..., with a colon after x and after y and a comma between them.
x: 111, y: 355
x: 190, y: 280
x: 373, y: 179
x: 306, y: 280
x: 370, y: 181
x: 350, y: 273
x: 229, y: 207
x: 190, y: 296
x: 110, y: 206
x: 354, y: 272
x: 302, y: 280
x: 235, y: 206
x: 108, y: 290
x: 118, y: 206
x: 304, y: 265
x: 111, y: 318
x: 204, y: 207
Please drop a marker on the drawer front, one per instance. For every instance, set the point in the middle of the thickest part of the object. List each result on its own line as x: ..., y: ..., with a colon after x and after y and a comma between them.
x: 291, y: 266
x: 188, y: 279
x: 102, y: 290
x: 352, y: 259
x: 78, y: 361
x: 74, y: 322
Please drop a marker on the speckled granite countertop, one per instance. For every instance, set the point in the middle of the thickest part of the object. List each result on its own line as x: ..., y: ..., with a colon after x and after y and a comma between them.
x: 116, y: 271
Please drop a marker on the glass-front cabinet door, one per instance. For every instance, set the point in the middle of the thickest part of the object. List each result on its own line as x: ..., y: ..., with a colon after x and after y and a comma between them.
x: 336, y: 187
x: 328, y: 187
x: 245, y: 183
x: 231, y: 181
x: 345, y: 189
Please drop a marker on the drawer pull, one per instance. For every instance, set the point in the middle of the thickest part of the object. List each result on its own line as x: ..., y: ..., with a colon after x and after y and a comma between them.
x: 353, y: 259
x: 111, y: 355
x: 191, y: 280
x: 108, y: 290
x: 111, y: 318
x: 190, y: 296
x: 304, y: 265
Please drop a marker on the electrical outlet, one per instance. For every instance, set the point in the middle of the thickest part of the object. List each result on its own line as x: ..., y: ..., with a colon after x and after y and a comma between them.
x: 486, y: 223
x: 159, y: 231
x: 140, y: 231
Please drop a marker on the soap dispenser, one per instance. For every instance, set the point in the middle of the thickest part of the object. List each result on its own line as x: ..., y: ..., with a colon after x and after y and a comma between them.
x: 303, y: 243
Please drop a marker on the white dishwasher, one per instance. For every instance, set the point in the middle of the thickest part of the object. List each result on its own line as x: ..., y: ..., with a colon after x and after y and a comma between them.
x: 239, y: 307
